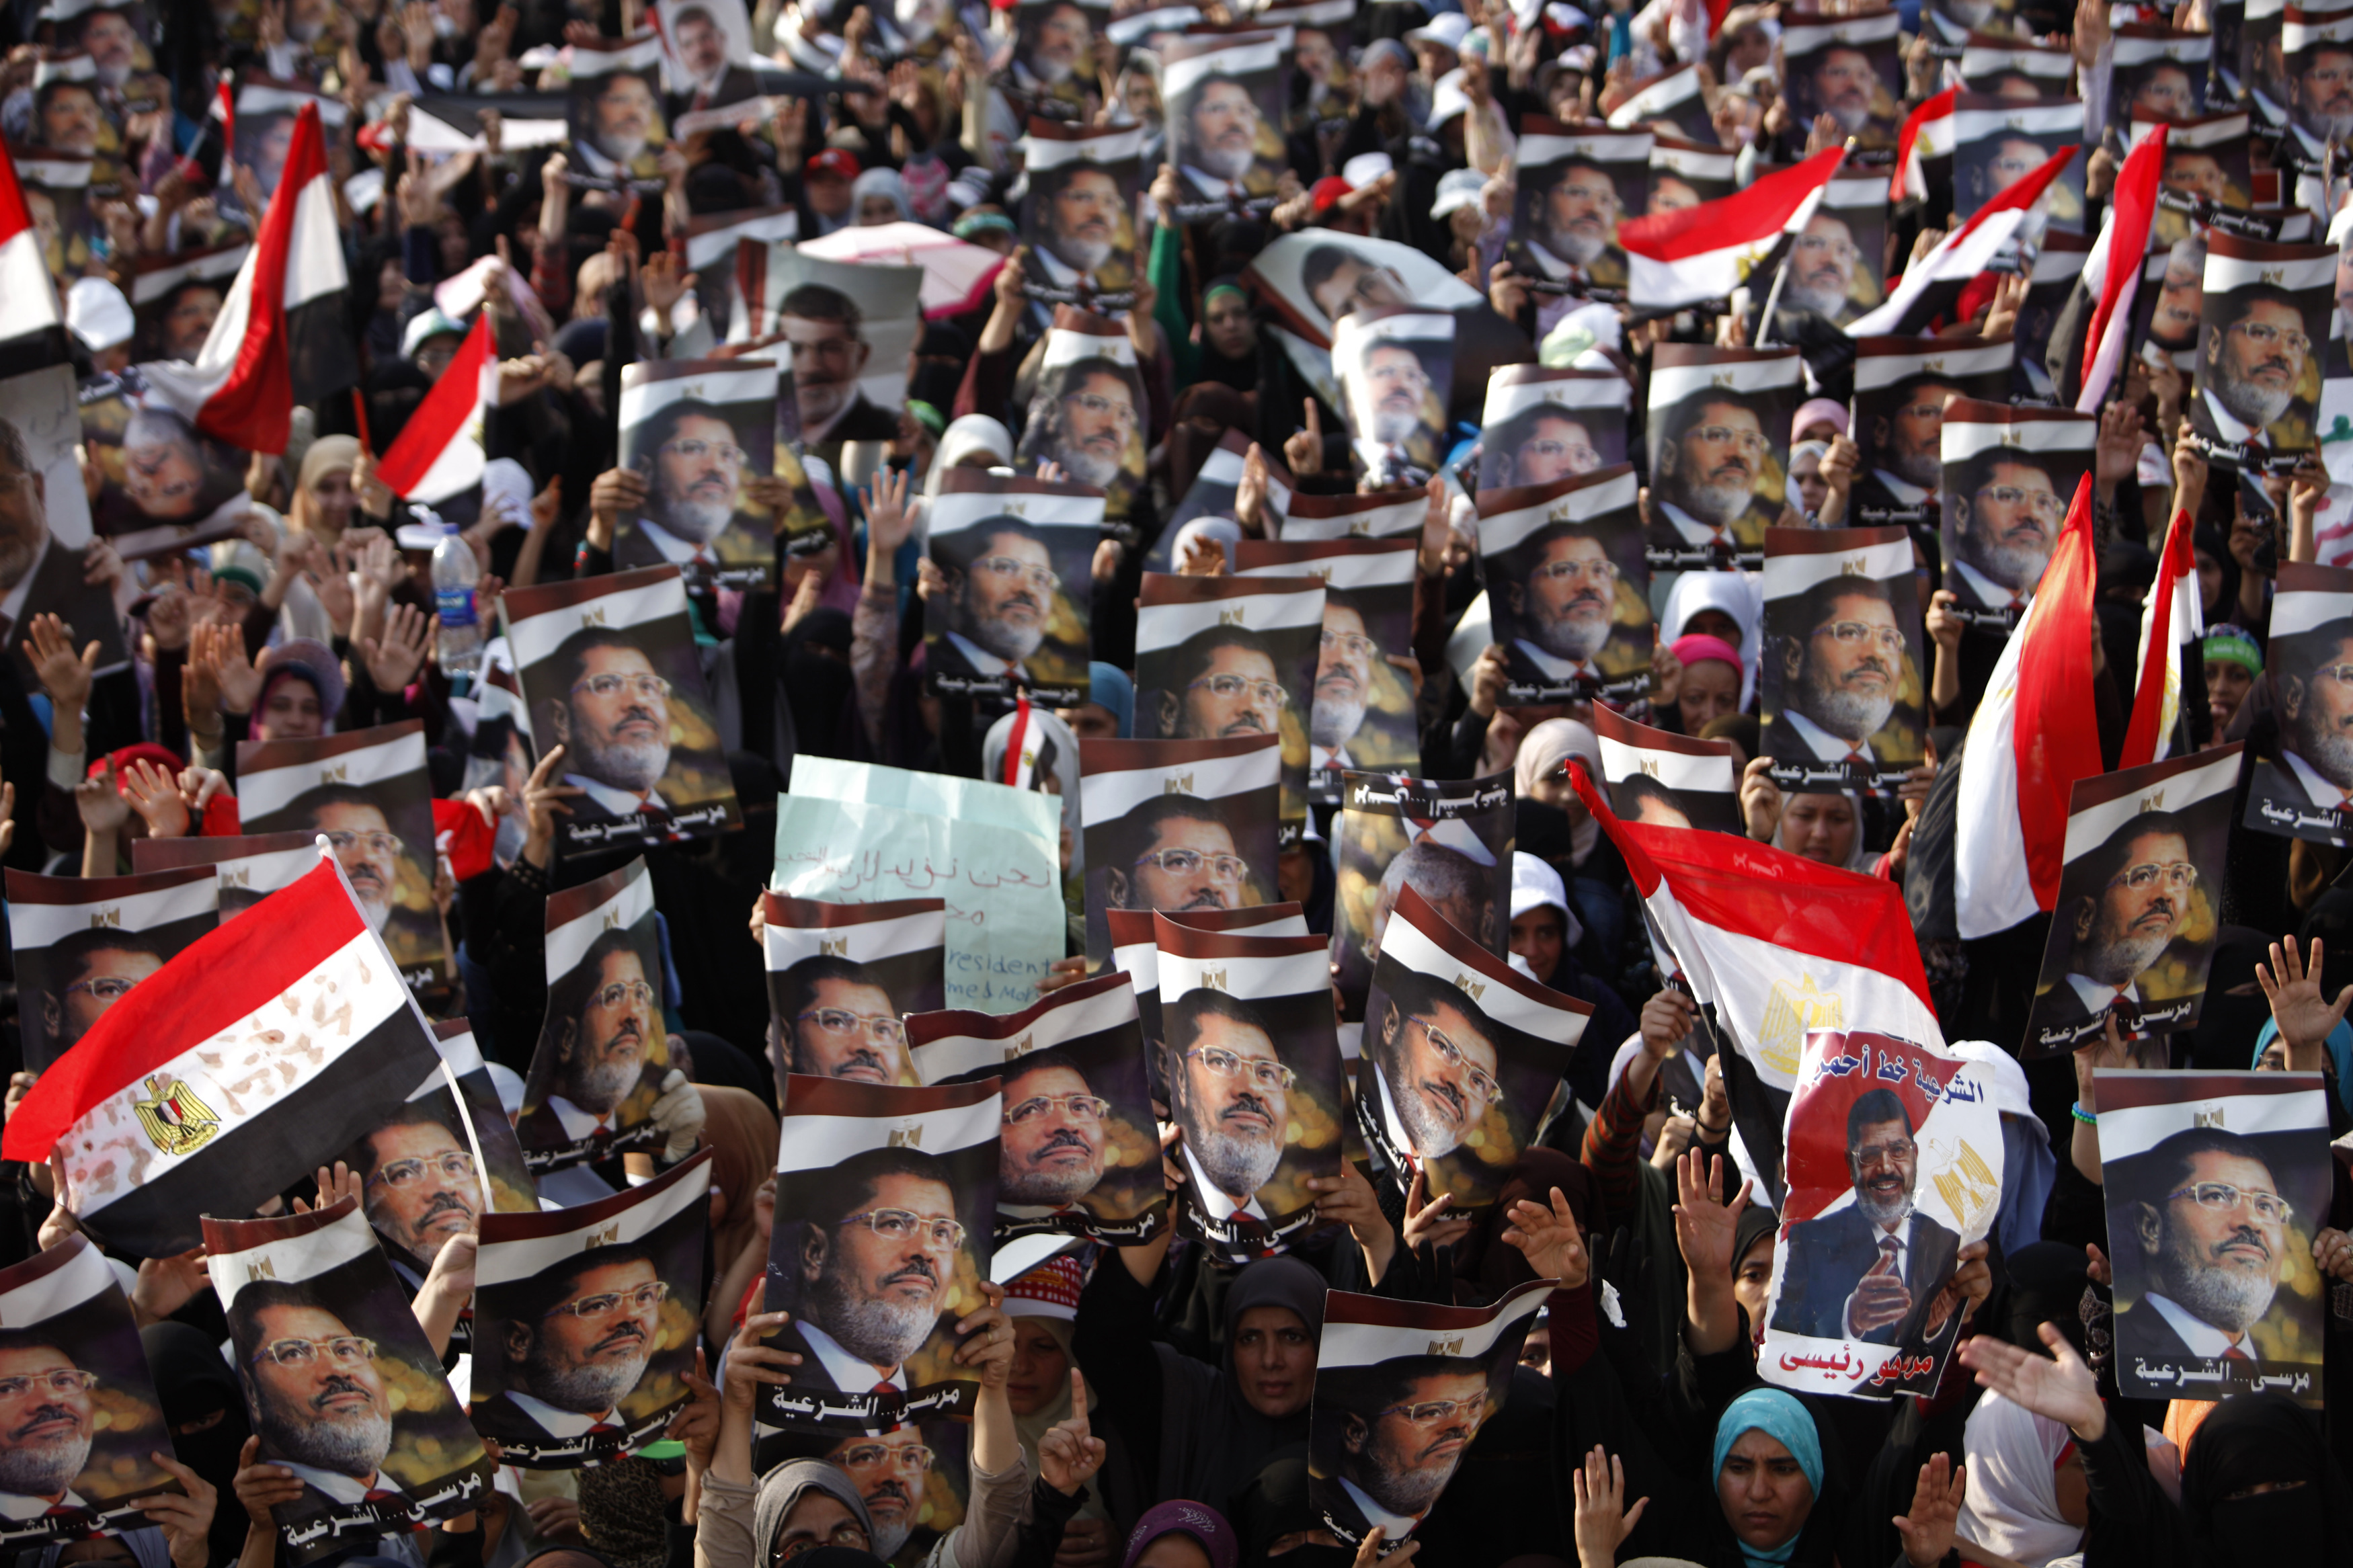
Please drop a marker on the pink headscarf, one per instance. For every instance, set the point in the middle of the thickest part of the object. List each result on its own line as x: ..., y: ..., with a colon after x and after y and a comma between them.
x: 1694, y: 647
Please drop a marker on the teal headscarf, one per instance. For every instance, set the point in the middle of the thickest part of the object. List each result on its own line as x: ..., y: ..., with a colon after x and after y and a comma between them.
x: 1780, y: 1417
x: 2340, y: 1054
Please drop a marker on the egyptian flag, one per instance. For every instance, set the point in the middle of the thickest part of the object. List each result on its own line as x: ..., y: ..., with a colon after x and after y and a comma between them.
x: 214, y: 142
x: 1927, y: 133
x: 1930, y: 285
x: 439, y: 451
x: 1702, y: 253
x: 2112, y: 271
x: 2173, y: 620
x: 32, y: 327
x: 260, y: 1054
x: 280, y: 339
x: 2035, y: 733
x: 1773, y: 944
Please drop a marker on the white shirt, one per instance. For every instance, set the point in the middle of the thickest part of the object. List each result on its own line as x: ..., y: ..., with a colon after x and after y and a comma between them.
x: 2202, y: 1338
x: 339, y: 1486
x: 1557, y: 668
x: 1990, y: 593
x: 1061, y: 273
x: 19, y: 1505
x: 619, y: 802
x: 559, y: 1423
x: 2095, y: 995
x: 1551, y: 266
x: 1394, y: 1527
x: 2228, y: 425
x: 1827, y: 747
x: 1214, y: 1203
x: 1902, y: 488
x: 850, y: 1374
x: 579, y: 1123
x: 2322, y: 792
x: 982, y: 661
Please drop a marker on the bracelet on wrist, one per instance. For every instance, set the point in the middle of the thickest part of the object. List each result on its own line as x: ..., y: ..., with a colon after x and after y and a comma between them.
x: 2088, y: 1118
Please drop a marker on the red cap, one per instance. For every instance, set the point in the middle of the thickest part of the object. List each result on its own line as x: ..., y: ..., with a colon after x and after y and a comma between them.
x: 1049, y: 1291
x: 837, y: 161
x: 1326, y: 192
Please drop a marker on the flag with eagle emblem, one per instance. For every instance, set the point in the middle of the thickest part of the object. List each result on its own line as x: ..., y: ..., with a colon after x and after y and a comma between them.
x: 1693, y: 254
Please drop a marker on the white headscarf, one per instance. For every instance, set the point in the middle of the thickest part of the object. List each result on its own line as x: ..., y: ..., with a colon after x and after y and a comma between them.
x: 2012, y: 1506
x: 1542, y: 752
x: 1741, y: 596
x: 972, y: 434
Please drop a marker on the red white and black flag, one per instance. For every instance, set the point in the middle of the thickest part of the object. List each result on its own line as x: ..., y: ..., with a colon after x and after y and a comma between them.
x: 32, y: 325
x: 262, y: 1052
x: 280, y: 338
x: 438, y: 453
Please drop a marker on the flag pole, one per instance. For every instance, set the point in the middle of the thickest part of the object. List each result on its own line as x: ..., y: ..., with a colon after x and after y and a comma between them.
x: 1780, y: 275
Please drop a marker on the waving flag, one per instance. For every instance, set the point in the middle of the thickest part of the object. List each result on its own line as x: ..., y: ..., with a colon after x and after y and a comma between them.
x: 1927, y: 133
x: 2035, y: 733
x: 2113, y: 270
x: 260, y: 1053
x: 1928, y: 284
x: 32, y: 327
x: 1696, y: 254
x: 2174, y: 617
x: 280, y: 338
x: 439, y: 451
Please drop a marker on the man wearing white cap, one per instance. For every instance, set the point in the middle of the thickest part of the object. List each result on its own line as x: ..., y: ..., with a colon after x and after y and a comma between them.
x: 98, y: 314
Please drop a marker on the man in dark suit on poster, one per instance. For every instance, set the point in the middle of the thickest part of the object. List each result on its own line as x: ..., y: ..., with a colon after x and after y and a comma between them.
x: 870, y: 1272
x: 316, y: 1398
x: 2210, y: 1235
x: 1404, y: 1426
x: 1704, y: 494
x: 603, y: 1051
x: 37, y: 574
x: 1876, y: 1271
x: 577, y: 1351
x: 613, y: 721
x: 2119, y: 908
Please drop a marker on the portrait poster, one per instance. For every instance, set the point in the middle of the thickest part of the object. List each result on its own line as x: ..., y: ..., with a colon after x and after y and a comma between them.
x: 1543, y: 424
x: 1222, y: 100
x: 1089, y: 411
x: 874, y: 1180
x: 2227, y: 69
x: 264, y: 138
x: 841, y: 980
x: 1228, y: 658
x: 1361, y: 703
x: 368, y: 792
x: 697, y: 430
x: 2265, y: 308
x: 1255, y: 1081
x: 586, y: 1320
x: 1380, y: 1366
x: 2141, y: 898
x: 2159, y: 71
x: 1078, y: 1153
x: 40, y: 409
x: 2317, y: 56
x: 160, y: 478
x: 1397, y: 373
x: 1884, y: 1136
x: 1178, y: 825
x: 1312, y: 279
x: 2293, y: 793
x: 2205, y: 181
x: 914, y: 1477
x: 706, y: 50
x: 603, y: 1056
x: 714, y: 243
x: 2022, y: 70
x: 246, y: 868
x: 1845, y: 678
x: 1850, y: 67
x: 1717, y: 437
x: 2009, y: 472
x: 1996, y: 144
x: 1379, y: 514
x: 616, y: 114
x: 1574, y: 183
x: 348, y: 1392
x: 81, y: 943
x: 1685, y: 174
x: 59, y: 189
x: 1464, y: 1052
x: 1078, y: 222
x: 1214, y: 492
x: 1017, y: 555
x: 1568, y: 588
x: 1674, y: 103
x: 2057, y: 265
x: 2215, y: 1299
x: 1901, y: 388
x: 610, y: 673
x: 1832, y: 268
x: 175, y: 298
x: 1666, y: 779
x: 70, y: 1335
x: 1053, y: 75
x: 1450, y: 838
x: 851, y: 326
x: 2167, y: 304
x: 1135, y: 952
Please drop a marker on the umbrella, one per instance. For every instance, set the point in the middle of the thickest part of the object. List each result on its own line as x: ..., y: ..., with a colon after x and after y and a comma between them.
x: 958, y: 274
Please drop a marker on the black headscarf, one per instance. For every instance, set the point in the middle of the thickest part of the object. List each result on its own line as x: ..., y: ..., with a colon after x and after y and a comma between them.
x: 1214, y: 1442
x: 819, y: 685
x: 2258, y: 1440
x: 194, y: 1382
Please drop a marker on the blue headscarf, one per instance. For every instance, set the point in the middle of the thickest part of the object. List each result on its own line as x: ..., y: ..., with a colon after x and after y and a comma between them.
x: 1109, y: 688
x: 2340, y: 1054
x: 1779, y: 1416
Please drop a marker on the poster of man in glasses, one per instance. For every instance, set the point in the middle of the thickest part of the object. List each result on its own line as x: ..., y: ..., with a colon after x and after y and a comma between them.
x: 2009, y: 475
x: 1718, y: 437
x: 83, y: 1421
x: 1078, y: 1153
x: 81, y: 943
x: 2139, y: 902
x: 368, y: 793
x: 1542, y: 424
x: 2299, y: 791
x: 1568, y: 587
x: 1396, y: 369
x: 340, y: 1383
x: 1901, y: 388
x: 1016, y: 559
x: 1135, y: 952
x: 585, y: 1321
x: 1088, y: 413
x: 702, y: 434
x: 841, y: 979
x: 1844, y: 676
x: 2262, y: 318
x: 1362, y: 713
x: 1178, y: 825
x: 602, y: 1067
x: 2215, y: 1184
x: 1225, y: 657
x: 885, y: 1201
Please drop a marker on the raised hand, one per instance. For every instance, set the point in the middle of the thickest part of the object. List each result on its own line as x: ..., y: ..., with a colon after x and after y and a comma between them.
x: 64, y: 675
x: 2303, y: 1011
x: 100, y: 801
x: 1705, y: 1222
x: 1928, y: 1527
x: 1603, y: 1519
x: 986, y: 1339
x: 185, y: 1518
x: 1550, y: 1239
x: 1303, y: 449
x: 335, y: 1184
x: 2064, y: 1389
x: 393, y: 659
x: 1433, y: 1222
x: 889, y: 520
x: 156, y: 795
x: 1972, y: 1283
x: 1069, y: 1454
x: 542, y: 802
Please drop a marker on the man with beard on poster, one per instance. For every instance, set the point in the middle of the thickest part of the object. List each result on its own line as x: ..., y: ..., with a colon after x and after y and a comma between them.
x: 1217, y: 143
x: 834, y: 1020
x: 1224, y: 685
x: 1337, y: 282
x: 419, y: 1187
x: 1821, y: 269
x: 2210, y: 1231
x: 47, y: 1420
x: 1231, y: 1098
x: 871, y: 1269
x: 2314, y: 676
x: 1405, y: 1426
x: 89, y: 972
x: 2249, y: 368
x: 2119, y: 908
x: 1538, y: 445
x: 2320, y: 94
x: 315, y: 1397
x: 1845, y: 87
x: 889, y: 1470
x: 1176, y: 852
x: 1842, y: 660
x: 2006, y: 518
x: 613, y: 722
x: 1563, y: 603
x: 1050, y: 1154
x: 580, y: 1345
x: 1095, y: 413
x: 619, y: 124
x: 1401, y: 410
x: 1574, y: 223
x: 1705, y: 487
x: 695, y: 472
x: 1343, y: 682
x: 1864, y: 1272
x: 827, y: 330
x: 602, y: 1052
x: 1907, y: 437
x: 1436, y: 1065
x: 361, y: 834
x: 997, y: 601
x: 1081, y: 230
x: 2173, y: 319
x: 702, y: 48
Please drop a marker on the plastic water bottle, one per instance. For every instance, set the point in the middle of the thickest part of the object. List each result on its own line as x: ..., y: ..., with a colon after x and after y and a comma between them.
x: 459, y: 642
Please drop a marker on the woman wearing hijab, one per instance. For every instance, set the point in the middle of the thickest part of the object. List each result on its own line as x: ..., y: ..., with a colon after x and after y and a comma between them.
x: 974, y: 441
x: 879, y: 196
x: 1726, y: 606
x: 1553, y: 825
x: 205, y: 1409
x: 819, y: 684
x: 740, y: 1134
x: 1701, y: 681
x: 1805, y: 488
x: 1109, y: 712
x: 1181, y: 1535
x: 1041, y: 1306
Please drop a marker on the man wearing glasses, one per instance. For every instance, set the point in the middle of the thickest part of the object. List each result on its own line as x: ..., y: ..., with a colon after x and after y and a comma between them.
x: 1877, y: 1270
x: 1822, y: 270
x: 888, y: 1469
x: 603, y: 1016
x: 1906, y: 451
x: 1224, y: 685
x: 2250, y: 366
x: 1438, y: 1068
x: 1563, y: 606
x: 835, y: 1019
x: 1842, y: 665
x: 89, y: 972
x: 1343, y: 685
x: 872, y: 1271
x: 2006, y: 511
x: 578, y: 1345
x: 46, y: 1421
x: 1704, y: 495
x: 1233, y: 1096
x: 1050, y: 1154
x: 1092, y: 425
x: 694, y: 469
x: 1538, y: 445
x: 2315, y: 765
x: 1000, y: 590
x: 827, y: 330
x: 1397, y: 416
x: 613, y: 720
x: 2119, y: 908
x: 420, y: 1187
x: 2210, y: 1238
x: 361, y: 834
x: 1404, y: 1426
x: 316, y: 1399
x: 1182, y: 857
